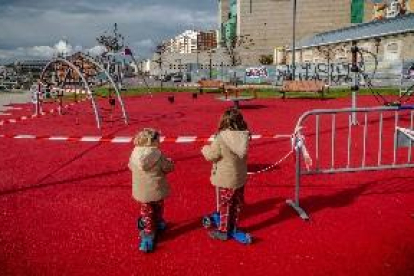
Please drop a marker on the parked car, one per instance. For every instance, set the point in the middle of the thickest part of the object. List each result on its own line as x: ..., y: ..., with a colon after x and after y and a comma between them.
x: 166, y: 78
x: 177, y: 78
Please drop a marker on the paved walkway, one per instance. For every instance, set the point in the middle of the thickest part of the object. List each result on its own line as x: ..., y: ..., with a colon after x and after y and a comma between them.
x: 7, y: 98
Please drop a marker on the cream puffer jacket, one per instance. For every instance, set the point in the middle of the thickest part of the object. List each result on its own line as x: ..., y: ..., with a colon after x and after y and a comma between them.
x: 149, y: 168
x: 228, y: 152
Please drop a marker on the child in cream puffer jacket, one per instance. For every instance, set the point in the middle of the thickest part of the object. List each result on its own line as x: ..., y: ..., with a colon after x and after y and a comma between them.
x: 228, y: 153
x: 149, y: 184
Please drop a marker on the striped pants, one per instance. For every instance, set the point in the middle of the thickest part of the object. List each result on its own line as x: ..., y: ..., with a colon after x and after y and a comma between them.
x: 230, y: 204
x: 151, y: 214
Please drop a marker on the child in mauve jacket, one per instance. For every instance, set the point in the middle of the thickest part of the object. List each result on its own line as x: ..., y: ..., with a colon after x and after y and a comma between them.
x: 149, y: 184
x: 228, y: 152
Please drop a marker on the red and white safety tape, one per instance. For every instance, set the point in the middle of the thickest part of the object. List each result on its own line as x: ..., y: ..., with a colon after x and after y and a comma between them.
x: 23, y: 118
x: 127, y: 139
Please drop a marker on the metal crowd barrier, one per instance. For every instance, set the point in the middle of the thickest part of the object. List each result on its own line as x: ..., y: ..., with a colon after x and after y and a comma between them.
x: 354, y: 146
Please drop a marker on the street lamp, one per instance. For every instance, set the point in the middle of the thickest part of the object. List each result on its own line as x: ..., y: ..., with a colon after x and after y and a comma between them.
x: 210, y: 52
x: 294, y: 40
x: 179, y: 64
x: 197, y: 52
x: 160, y: 50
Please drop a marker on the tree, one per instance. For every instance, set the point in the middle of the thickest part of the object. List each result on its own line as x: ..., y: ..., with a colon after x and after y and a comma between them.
x: 112, y: 43
x: 266, y: 59
x: 234, y: 44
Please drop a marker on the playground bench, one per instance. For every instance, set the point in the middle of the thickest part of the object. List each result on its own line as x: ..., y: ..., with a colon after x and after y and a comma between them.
x: 211, y: 84
x: 236, y: 91
x: 236, y: 94
x: 303, y: 86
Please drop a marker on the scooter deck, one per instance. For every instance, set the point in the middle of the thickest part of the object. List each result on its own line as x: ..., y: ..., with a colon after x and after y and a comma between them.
x: 213, y: 220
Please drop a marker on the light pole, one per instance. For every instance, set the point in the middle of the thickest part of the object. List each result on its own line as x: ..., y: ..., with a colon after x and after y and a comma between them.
x: 179, y: 64
x: 294, y: 40
x: 210, y: 61
x: 197, y: 52
x: 160, y: 50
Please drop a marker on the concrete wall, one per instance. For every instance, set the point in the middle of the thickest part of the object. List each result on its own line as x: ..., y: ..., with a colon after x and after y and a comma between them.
x: 171, y: 61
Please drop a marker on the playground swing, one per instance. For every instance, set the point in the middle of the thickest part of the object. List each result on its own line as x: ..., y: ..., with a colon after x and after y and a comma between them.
x: 76, y: 75
x: 381, y: 99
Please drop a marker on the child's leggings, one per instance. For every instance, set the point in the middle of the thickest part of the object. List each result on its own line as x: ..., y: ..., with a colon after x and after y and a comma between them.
x: 151, y: 214
x: 230, y: 204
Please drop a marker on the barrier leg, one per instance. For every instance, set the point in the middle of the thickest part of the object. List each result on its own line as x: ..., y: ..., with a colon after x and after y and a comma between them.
x: 295, y: 203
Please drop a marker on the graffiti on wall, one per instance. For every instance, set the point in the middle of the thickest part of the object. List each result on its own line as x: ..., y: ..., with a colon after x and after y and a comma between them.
x: 256, y: 72
x: 387, y: 73
x: 338, y: 74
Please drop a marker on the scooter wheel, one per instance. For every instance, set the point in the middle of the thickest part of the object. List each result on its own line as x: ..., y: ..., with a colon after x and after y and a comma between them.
x: 248, y: 239
x: 206, y: 222
x: 140, y: 224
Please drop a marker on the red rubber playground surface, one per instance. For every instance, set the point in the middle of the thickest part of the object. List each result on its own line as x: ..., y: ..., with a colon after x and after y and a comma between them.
x: 66, y: 207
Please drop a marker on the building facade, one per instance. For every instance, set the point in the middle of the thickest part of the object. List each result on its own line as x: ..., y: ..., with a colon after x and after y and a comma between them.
x: 390, y: 39
x: 191, y: 41
x: 269, y: 22
x: 206, y: 40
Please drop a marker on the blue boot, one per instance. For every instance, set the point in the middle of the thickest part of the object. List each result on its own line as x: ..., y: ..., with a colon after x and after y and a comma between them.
x: 211, y: 221
x: 161, y: 225
x: 147, y: 242
x: 240, y: 236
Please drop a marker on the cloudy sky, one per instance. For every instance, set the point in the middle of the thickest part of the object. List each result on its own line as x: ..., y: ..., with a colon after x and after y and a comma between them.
x: 36, y: 28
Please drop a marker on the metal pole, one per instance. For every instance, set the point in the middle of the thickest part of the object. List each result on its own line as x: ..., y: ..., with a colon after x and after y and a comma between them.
x: 294, y: 40
x: 355, y: 87
x: 211, y: 73
x: 197, y: 54
x: 161, y: 69
x: 39, y: 90
x: 329, y: 70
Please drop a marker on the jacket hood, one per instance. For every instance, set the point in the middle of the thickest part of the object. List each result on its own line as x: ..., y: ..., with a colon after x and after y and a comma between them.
x: 237, y: 141
x: 145, y: 157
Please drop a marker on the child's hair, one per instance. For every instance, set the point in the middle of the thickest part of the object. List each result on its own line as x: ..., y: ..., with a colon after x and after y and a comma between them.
x: 232, y: 119
x: 146, y: 137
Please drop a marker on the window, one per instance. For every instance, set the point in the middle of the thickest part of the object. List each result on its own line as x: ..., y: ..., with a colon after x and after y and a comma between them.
x: 392, y: 50
x: 307, y: 56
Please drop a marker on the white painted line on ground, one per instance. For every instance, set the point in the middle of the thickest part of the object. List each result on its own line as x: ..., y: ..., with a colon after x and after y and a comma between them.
x: 121, y: 140
x: 91, y: 139
x: 24, y: 136
x: 186, y: 139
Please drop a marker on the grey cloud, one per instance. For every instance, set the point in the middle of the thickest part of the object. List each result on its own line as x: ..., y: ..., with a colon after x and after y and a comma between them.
x: 43, y: 23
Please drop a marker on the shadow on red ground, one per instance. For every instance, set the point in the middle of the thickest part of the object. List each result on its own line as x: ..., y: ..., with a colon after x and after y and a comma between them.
x: 66, y: 207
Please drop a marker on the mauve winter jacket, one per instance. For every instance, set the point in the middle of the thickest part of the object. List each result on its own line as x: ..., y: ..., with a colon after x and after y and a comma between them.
x: 228, y: 152
x: 149, y: 168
